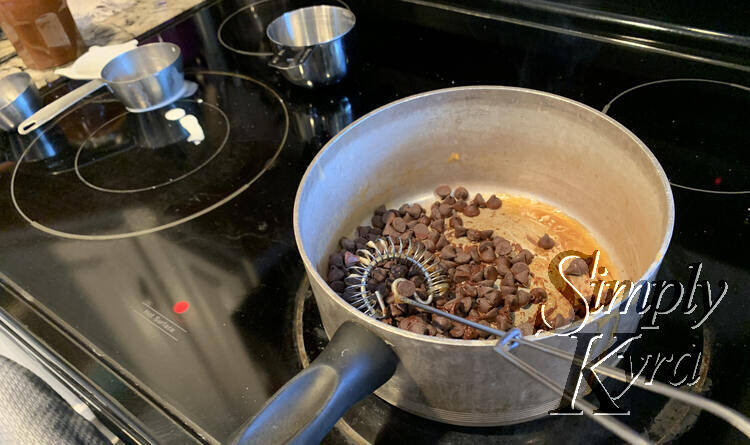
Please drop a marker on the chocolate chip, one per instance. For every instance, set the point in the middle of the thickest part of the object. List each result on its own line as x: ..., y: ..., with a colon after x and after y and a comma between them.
x: 390, y: 231
x: 434, y: 236
x: 448, y: 264
x: 425, y: 220
x: 449, y: 200
x: 469, y: 290
x: 406, y: 288
x: 479, y: 201
x: 522, y: 277
x: 474, y: 235
x: 457, y: 331
x: 435, y: 211
x: 471, y: 210
x: 490, y: 273
x: 477, y: 276
x: 464, y: 305
x: 494, y: 298
x: 507, y: 290
x: 508, y: 280
x: 511, y: 302
x: 379, y: 274
x: 414, y: 324
x: 445, y: 210
x: 448, y: 252
x: 486, y: 234
x: 483, y: 290
x: 399, y: 224
x: 483, y: 305
x: 546, y: 242
x: 504, y: 321
x: 456, y: 222
x: 491, y: 314
x: 459, y: 205
x: 336, y: 273
x: 502, y: 246
x: 348, y: 244
x: 406, y: 235
x: 494, y: 203
x: 399, y: 271
x: 519, y: 267
x: 523, y: 297
x: 442, y: 242
x: 421, y: 232
x: 577, y: 267
x: 414, y: 210
x: 408, y: 218
x: 350, y: 259
x: 463, y: 273
x: 389, y: 216
x: 474, y: 254
x: 460, y: 193
x: 338, y: 286
x: 438, y: 225
x: 462, y: 257
x: 411, y: 224
x: 336, y: 259
x: 528, y: 257
x: 441, y: 323
x: 396, y: 310
x: 459, y: 232
x: 538, y: 295
x: 487, y: 253
x: 377, y: 221
x: 380, y: 210
x: 443, y: 191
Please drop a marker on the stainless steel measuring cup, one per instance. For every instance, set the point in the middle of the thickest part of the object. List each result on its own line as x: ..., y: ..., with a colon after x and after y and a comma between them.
x: 143, y: 79
x: 311, y: 44
x: 19, y: 99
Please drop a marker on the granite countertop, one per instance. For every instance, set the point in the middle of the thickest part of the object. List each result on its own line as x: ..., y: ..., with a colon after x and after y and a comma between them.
x: 102, y: 22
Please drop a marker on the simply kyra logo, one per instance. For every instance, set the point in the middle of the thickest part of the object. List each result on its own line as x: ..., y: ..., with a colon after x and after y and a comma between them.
x: 590, y: 294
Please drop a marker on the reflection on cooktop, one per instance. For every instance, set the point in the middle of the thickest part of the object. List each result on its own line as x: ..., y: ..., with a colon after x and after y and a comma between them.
x: 690, y: 125
x: 141, y: 173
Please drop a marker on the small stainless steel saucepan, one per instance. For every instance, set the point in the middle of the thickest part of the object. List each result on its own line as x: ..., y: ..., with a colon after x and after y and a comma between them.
x: 489, y: 139
x: 312, y: 44
x: 19, y: 99
x: 143, y: 79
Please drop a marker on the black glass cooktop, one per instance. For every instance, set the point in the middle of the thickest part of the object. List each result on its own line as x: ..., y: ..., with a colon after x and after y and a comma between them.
x: 160, y: 245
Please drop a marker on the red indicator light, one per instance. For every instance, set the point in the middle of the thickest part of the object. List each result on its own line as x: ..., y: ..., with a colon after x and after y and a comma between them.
x: 717, y: 180
x: 180, y: 307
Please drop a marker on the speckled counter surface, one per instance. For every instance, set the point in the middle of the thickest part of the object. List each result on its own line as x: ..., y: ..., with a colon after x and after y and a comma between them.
x: 103, y: 22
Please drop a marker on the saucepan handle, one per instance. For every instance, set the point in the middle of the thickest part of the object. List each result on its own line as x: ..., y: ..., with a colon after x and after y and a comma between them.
x: 355, y: 363
x: 289, y: 58
x: 50, y: 111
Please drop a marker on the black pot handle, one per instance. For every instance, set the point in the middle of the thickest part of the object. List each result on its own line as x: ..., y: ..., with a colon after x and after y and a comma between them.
x: 355, y: 363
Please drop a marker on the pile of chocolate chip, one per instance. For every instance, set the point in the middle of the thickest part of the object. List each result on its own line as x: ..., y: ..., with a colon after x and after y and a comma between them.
x: 488, y: 276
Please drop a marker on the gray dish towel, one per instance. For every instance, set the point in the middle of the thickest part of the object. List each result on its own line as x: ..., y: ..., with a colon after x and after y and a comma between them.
x: 32, y: 413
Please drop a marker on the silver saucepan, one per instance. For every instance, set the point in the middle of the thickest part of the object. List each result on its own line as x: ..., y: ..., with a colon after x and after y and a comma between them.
x: 143, y: 79
x: 489, y: 139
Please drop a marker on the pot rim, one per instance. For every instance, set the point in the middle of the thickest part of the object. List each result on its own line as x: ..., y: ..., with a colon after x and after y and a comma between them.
x: 651, y: 271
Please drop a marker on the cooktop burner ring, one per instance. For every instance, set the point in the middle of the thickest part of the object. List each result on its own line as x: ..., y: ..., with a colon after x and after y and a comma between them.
x: 282, y: 139
x: 680, y: 183
x: 162, y: 184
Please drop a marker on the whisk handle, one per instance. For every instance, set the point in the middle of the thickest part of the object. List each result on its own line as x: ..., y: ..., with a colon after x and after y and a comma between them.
x: 355, y: 363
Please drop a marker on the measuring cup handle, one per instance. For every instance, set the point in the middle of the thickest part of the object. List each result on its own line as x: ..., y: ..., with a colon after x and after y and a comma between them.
x: 289, y: 58
x: 53, y: 109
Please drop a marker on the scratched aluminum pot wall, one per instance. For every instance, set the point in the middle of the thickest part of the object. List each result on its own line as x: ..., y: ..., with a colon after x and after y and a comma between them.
x: 491, y: 140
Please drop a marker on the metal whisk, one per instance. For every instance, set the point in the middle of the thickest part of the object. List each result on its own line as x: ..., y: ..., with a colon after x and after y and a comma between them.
x: 383, y: 251
x: 372, y: 304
